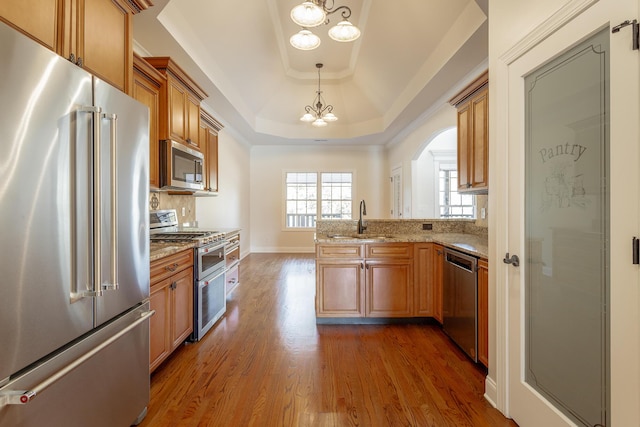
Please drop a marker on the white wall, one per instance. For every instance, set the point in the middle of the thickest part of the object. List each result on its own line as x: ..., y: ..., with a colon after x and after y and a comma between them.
x: 441, y: 149
x: 405, y: 152
x: 268, y: 164
x: 230, y: 209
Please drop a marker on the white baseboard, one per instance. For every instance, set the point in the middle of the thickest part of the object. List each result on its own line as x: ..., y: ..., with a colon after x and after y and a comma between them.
x: 285, y: 250
x: 490, y: 391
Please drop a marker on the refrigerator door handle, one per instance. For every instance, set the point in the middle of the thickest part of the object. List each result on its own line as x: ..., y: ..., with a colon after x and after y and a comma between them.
x: 113, y: 247
x: 97, y: 272
x: 22, y: 397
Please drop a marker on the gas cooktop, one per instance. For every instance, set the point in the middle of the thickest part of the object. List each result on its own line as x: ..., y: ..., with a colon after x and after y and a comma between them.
x: 164, y: 228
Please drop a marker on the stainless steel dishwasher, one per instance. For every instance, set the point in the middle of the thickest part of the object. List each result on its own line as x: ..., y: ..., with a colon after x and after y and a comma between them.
x: 460, y: 301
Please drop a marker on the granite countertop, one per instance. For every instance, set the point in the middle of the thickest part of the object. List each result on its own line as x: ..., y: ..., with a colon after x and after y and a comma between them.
x: 163, y: 249
x: 468, y: 243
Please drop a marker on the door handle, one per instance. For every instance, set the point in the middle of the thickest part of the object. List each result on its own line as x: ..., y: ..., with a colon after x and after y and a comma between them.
x: 513, y: 260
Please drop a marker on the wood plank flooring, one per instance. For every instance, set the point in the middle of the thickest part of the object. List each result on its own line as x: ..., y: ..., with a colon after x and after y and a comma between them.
x: 267, y: 363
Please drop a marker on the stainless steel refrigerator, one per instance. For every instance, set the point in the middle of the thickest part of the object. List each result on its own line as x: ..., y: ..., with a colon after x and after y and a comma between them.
x: 74, y: 244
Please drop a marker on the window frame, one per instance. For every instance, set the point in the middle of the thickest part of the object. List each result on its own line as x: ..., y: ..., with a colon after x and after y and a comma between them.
x: 318, y: 173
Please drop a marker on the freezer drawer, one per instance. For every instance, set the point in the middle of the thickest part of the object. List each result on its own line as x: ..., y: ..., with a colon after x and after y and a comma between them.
x: 110, y: 388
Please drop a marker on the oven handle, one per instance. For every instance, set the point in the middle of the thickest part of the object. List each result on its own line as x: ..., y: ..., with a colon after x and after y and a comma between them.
x: 207, y: 249
x: 205, y: 282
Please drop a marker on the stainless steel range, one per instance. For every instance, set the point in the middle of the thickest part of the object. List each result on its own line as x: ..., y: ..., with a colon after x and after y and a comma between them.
x: 210, y: 301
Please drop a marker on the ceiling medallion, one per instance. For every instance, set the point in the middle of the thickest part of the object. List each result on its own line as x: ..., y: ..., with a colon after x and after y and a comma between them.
x: 318, y: 114
x: 313, y: 13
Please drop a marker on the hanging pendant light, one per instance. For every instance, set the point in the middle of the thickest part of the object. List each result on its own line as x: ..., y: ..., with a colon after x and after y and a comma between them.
x: 308, y: 14
x: 314, y: 13
x: 344, y: 31
x: 304, y: 40
x: 319, y: 114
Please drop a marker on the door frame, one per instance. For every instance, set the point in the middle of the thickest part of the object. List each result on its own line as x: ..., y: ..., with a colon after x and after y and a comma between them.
x: 497, y: 381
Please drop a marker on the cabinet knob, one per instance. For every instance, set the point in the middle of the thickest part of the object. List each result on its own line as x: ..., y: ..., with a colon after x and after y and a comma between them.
x: 79, y: 62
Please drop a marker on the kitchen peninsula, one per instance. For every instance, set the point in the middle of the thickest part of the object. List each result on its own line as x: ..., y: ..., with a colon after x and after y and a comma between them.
x: 393, y: 272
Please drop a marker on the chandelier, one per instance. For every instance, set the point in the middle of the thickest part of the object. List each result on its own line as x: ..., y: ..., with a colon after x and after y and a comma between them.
x: 318, y: 114
x: 314, y: 13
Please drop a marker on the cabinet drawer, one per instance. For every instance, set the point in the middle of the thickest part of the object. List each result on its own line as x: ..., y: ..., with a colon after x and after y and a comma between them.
x: 232, y: 256
x: 233, y: 278
x: 389, y: 250
x: 167, y: 266
x: 339, y: 251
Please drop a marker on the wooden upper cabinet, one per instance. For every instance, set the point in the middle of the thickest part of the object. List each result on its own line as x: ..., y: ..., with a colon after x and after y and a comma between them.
x: 472, y: 104
x: 209, y: 128
x: 180, y: 101
x: 177, y: 103
x: 94, y: 34
x: 192, y: 127
x: 102, y: 41
x: 39, y: 19
x: 147, y: 82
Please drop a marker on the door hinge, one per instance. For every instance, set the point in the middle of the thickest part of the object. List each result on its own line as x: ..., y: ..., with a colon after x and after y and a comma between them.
x: 635, y: 31
x: 635, y: 249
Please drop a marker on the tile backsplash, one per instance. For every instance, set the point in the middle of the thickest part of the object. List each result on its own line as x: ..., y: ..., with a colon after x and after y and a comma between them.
x: 181, y: 203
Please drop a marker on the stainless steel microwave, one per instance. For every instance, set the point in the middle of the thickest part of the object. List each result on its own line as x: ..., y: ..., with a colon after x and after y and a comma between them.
x: 180, y: 167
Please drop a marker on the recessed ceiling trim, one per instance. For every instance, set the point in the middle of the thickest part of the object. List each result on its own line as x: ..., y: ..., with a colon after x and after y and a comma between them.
x: 459, y: 33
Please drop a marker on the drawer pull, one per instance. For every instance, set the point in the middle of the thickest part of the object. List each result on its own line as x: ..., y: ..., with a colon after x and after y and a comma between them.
x: 172, y: 267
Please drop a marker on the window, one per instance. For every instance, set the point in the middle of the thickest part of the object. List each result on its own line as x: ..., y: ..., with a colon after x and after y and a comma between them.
x: 302, y: 204
x: 452, y: 203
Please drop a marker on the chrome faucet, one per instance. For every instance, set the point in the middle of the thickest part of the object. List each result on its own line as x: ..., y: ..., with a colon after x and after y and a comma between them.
x: 363, y: 211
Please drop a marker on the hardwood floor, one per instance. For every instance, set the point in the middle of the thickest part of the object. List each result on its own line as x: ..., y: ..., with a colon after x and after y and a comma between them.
x: 267, y: 363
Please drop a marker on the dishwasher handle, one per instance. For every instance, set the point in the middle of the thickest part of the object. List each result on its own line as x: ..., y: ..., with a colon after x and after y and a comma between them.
x: 463, y: 262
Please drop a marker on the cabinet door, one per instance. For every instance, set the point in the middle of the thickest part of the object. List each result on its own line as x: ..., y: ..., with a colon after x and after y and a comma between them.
x: 193, y: 123
x: 104, y: 41
x: 148, y: 93
x: 438, y: 265
x: 464, y: 118
x: 389, y: 288
x: 478, y: 149
x: 423, y: 282
x: 159, y: 340
x: 339, y: 290
x: 177, y: 109
x: 483, y: 312
x: 212, y: 160
x: 36, y: 18
x: 182, y: 306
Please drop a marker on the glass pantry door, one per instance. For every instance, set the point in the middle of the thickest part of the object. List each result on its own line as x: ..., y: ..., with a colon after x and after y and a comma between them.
x: 573, y: 202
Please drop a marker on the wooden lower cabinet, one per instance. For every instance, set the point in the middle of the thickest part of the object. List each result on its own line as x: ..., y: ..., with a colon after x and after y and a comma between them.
x: 171, y: 297
x: 389, y: 287
x: 438, y: 269
x: 483, y: 312
x: 423, y: 260
x: 341, y: 289
x: 364, y: 280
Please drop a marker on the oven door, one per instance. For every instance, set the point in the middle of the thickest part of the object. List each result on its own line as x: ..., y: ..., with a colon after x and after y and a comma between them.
x: 210, y: 258
x: 211, y: 303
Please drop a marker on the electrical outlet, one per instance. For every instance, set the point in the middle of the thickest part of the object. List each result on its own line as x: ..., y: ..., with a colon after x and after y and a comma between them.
x: 184, y: 211
x: 483, y: 213
x: 427, y: 226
